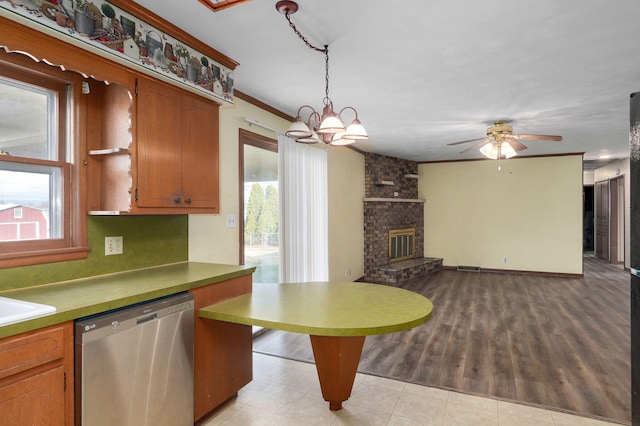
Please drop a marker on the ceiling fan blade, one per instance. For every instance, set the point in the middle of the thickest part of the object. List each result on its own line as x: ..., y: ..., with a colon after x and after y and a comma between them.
x: 467, y: 141
x: 517, y: 146
x: 482, y: 142
x: 540, y: 137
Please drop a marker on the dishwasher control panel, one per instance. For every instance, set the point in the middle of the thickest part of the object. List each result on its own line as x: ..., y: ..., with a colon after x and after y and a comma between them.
x: 133, y: 315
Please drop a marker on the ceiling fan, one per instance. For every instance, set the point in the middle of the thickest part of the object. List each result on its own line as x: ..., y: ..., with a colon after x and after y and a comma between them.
x: 501, y: 142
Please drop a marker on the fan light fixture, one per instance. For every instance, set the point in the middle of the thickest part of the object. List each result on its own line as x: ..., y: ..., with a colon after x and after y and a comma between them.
x: 327, y: 127
x: 495, y: 150
x: 501, y: 142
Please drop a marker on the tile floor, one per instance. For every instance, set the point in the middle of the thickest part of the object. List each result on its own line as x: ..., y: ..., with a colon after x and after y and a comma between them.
x: 285, y: 392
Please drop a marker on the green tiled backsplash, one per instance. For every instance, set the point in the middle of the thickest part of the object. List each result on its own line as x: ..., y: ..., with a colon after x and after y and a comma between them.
x: 147, y: 241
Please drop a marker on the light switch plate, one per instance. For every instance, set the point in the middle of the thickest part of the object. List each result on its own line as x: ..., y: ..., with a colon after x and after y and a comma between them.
x: 113, y: 245
x: 231, y: 221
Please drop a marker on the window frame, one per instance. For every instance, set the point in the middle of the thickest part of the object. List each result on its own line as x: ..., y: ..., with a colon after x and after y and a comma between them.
x: 71, y: 109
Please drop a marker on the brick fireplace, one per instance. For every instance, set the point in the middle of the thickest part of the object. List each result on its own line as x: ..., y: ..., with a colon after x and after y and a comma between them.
x: 391, y: 206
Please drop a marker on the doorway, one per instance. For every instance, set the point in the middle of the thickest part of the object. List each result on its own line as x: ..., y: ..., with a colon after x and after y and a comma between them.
x: 587, y: 219
x: 609, y: 223
x: 616, y: 189
x: 259, y: 219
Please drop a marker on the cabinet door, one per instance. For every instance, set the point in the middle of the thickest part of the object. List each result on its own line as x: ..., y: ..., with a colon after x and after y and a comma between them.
x: 161, y: 133
x: 34, y: 400
x: 200, y: 152
x: 223, y: 360
x: 36, y: 377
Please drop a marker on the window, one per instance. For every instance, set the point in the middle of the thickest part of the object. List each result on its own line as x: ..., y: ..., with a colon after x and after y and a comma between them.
x: 38, y: 222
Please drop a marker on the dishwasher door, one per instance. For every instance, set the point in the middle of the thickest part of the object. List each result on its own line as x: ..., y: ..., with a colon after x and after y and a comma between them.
x: 134, y: 366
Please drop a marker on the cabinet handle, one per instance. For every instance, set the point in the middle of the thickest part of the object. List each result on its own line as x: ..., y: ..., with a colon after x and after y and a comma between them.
x: 177, y: 200
x: 188, y: 201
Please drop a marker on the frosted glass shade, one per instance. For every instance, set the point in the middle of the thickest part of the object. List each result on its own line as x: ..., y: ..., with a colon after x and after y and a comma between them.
x: 298, y: 129
x: 356, y: 131
x: 508, y: 151
x: 340, y: 140
x: 331, y: 124
x: 313, y: 138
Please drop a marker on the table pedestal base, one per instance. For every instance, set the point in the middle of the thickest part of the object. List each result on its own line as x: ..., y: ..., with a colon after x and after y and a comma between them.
x: 337, y: 359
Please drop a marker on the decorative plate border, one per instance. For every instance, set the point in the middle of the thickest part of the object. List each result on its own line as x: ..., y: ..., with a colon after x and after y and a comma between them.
x: 111, y: 29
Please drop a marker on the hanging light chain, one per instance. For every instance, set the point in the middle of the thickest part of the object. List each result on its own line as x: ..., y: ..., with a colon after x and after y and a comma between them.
x: 324, y: 50
x: 329, y: 124
x: 326, y: 75
x: 303, y: 38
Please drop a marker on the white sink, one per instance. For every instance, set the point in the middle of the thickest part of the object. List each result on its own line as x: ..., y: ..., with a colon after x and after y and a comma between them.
x: 14, y: 310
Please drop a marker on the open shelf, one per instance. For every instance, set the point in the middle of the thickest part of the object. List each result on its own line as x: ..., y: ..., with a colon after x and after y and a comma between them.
x: 109, y: 151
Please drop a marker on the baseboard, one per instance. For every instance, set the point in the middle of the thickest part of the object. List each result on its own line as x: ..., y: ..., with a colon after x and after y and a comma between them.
x: 514, y: 271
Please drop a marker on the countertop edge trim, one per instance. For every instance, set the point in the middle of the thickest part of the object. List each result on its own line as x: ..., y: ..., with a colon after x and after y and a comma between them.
x: 59, y: 317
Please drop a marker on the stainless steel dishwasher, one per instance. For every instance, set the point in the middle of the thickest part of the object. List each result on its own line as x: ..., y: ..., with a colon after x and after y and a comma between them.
x: 134, y: 366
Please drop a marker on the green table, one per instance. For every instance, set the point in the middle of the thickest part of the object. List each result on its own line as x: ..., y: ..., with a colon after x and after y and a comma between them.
x: 336, y: 315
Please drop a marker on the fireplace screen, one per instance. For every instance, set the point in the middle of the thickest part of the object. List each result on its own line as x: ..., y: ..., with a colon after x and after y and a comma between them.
x: 401, y: 244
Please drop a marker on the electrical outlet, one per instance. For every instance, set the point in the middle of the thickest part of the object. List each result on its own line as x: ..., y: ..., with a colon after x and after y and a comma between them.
x: 347, y: 272
x: 504, y: 259
x: 231, y: 221
x: 113, y: 245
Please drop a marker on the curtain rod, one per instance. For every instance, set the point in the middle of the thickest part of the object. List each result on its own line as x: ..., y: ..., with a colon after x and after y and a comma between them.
x: 264, y: 126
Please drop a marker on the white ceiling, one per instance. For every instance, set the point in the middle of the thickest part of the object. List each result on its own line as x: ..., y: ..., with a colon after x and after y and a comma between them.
x: 426, y: 73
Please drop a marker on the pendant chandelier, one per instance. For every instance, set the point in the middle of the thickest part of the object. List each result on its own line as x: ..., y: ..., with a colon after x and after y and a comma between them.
x: 327, y: 127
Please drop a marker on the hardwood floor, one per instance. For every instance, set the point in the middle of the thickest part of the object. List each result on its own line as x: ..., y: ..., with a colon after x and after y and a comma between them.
x: 560, y: 343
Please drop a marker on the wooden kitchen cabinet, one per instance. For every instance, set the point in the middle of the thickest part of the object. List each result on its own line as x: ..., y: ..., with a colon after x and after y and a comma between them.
x: 170, y: 166
x: 223, y: 358
x: 36, y: 377
x: 177, y: 149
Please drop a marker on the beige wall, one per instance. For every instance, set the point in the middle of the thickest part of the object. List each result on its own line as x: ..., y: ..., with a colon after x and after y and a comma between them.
x: 346, y: 214
x: 529, y: 212
x: 211, y: 241
x: 209, y: 238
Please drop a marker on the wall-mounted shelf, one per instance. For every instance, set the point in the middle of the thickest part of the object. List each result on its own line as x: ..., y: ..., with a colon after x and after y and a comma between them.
x: 393, y: 200
x: 107, y: 213
x: 411, y: 176
x: 109, y: 151
x: 383, y: 183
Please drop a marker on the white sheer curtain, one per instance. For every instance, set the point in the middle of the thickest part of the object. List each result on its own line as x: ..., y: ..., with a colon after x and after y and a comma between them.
x: 303, y: 212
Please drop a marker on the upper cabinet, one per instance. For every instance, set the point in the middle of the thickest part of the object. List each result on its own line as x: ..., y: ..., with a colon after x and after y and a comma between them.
x: 177, y: 150
x: 146, y: 137
x: 155, y: 152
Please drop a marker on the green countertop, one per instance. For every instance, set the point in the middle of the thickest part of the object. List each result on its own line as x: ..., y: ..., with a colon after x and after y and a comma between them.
x: 79, y: 298
x: 325, y: 308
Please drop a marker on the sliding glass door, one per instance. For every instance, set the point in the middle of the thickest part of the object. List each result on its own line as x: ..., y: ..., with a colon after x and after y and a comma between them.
x: 259, y: 189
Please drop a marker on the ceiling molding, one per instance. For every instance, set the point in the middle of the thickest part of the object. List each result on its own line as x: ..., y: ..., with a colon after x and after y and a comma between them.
x: 519, y: 157
x: 256, y: 102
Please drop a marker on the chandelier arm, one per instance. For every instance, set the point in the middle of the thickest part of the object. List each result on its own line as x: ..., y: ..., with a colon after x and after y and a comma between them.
x: 348, y: 107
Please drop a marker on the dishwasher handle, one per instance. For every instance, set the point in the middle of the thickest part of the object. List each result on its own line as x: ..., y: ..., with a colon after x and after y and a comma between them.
x: 147, y: 318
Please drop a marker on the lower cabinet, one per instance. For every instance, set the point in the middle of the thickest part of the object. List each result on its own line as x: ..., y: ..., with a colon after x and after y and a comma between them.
x: 36, y: 377
x: 223, y: 361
